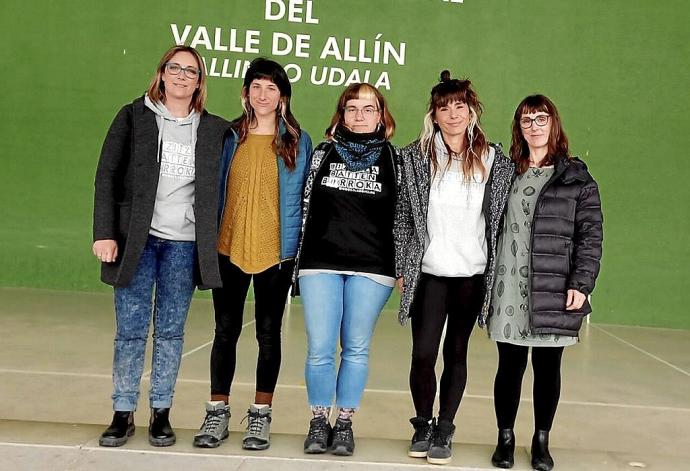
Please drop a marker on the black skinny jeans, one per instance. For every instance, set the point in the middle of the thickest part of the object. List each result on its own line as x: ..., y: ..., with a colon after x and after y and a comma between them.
x: 439, y: 298
x: 270, y: 291
x: 512, y: 361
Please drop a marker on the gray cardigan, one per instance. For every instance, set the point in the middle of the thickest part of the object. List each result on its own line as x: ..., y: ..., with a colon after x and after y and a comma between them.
x: 125, y: 191
x: 411, y: 218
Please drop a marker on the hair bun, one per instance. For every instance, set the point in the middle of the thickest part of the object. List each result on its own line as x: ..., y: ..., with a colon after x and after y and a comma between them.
x: 445, y: 76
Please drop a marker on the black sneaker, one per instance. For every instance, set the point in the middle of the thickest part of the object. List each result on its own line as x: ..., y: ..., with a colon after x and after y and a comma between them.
x: 441, y: 443
x: 120, y: 429
x: 423, y: 429
x: 343, y: 439
x: 318, y: 437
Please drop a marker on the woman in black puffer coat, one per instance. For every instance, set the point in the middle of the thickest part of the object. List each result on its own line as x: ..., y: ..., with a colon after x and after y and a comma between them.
x: 547, y: 262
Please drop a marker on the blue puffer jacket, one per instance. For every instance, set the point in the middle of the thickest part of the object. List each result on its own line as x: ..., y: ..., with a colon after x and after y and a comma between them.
x: 291, y: 184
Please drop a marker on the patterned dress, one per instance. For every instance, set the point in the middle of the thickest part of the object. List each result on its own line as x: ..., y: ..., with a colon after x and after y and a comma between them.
x: 509, y: 311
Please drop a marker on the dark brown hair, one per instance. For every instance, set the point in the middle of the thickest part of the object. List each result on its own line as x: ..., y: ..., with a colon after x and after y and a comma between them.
x: 557, y: 143
x: 446, y: 92
x: 362, y: 91
x: 156, y: 90
x: 285, y: 145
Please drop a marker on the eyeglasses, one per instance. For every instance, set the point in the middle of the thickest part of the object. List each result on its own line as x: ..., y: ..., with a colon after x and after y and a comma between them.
x: 367, y: 111
x: 541, y: 120
x: 174, y: 68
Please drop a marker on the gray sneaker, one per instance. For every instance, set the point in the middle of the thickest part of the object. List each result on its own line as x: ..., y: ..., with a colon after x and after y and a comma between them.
x: 441, y: 443
x: 258, y: 434
x: 423, y: 429
x: 215, y: 427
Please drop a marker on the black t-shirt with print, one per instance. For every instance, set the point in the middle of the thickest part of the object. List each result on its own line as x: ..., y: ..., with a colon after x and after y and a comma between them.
x: 350, y: 224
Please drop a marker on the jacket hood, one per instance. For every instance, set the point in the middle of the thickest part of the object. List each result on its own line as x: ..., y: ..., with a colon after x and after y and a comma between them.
x: 573, y: 169
x: 165, y: 118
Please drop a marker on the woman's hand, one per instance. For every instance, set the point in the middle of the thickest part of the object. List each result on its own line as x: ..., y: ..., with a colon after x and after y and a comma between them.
x: 400, y: 283
x: 105, y: 250
x: 575, y: 300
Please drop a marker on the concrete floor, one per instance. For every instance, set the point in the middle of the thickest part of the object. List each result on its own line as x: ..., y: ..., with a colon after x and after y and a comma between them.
x: 625, y: 402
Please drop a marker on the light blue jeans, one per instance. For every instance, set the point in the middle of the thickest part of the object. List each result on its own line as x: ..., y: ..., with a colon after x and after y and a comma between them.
x: 169, y: 265
x: 345, y: 307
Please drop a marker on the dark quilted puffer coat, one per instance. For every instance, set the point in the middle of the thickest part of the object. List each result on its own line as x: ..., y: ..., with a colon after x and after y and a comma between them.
x: 566, y: 245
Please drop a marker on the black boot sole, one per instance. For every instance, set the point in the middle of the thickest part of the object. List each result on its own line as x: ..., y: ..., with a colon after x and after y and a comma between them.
x: 161, y: 442
x: 315, y: 449
x: 341, y: 450
x: 116, y: 441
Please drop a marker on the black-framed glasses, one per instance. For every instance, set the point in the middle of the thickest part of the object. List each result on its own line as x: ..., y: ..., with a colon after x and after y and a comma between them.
x: 174, y: 68
x: 541, y: 120
x: 367, y: 111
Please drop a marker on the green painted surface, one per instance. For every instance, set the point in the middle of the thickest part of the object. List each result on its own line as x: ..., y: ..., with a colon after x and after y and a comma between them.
x: 618, y: 71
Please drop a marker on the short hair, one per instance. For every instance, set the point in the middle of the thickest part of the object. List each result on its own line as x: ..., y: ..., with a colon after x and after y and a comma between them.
x: 557, y: 143
x: 362, y: 91
x: 156, y: 90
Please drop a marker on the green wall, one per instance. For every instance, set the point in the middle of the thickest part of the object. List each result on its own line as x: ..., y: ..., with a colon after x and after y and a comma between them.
x: 618, y: 70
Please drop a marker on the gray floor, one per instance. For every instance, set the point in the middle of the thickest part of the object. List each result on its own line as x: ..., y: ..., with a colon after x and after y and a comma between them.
x: 625, y: 402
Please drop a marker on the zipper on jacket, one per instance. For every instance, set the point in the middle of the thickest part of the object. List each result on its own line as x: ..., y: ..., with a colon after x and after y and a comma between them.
x: 554, y: 177
x: 280, y: 221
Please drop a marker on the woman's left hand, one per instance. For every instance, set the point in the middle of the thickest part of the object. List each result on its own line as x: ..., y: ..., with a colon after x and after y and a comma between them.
x: 575, y: 300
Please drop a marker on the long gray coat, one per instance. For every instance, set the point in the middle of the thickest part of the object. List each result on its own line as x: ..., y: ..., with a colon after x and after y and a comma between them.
x: 411, y: 218
x: 125, y: 191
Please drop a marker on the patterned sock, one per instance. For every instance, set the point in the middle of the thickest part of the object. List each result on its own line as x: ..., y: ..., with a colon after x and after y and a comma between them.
x: 321, y: 411
x: 345, y: 413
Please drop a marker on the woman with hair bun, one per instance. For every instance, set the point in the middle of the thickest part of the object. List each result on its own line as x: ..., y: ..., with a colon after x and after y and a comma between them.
x: 262, y: 171
x: 454, y: 188
x: 547, y: 262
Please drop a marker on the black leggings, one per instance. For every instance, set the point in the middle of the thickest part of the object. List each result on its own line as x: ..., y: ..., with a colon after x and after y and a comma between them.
x: 512, y: 361
x: 270, y: 291
x: 439, y: 298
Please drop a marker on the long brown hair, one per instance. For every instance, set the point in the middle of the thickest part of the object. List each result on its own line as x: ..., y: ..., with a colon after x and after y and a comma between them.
x: 362, y: 91
x: 446, y: 92
x: 285, y: 145
x: 557, y: 143
x: 156, y: 90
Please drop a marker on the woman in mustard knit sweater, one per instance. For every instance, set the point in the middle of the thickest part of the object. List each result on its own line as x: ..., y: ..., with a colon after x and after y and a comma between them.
x: 262, y: 172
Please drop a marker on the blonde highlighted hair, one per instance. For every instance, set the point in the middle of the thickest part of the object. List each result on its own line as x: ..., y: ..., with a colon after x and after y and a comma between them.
x: 445, y: 93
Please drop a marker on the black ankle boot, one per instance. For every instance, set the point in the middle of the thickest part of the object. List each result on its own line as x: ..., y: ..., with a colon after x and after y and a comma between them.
x: 504, y: 455
x: 160, y: 430
x: 120, y: 429
x: 541, y: 458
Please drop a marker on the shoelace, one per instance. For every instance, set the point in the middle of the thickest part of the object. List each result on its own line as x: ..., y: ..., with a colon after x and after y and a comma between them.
x: 342, y: 433
x: 439, y: 438
x: 318, y: 429
x: 255, y: 424
x: 423, y: 432
x: 213, y: 420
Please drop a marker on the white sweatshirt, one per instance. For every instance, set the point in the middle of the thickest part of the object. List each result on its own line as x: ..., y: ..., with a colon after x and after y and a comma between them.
x: 455, y: 241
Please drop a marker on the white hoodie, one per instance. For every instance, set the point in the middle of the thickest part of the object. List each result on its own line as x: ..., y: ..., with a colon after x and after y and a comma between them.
x: 455, y: 242
x: 173, y: 213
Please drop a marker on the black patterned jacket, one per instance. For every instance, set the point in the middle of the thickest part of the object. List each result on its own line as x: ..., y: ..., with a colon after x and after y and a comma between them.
x: 411, y: 217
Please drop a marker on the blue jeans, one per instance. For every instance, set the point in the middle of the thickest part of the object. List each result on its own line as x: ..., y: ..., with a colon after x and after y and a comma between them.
x: 345, y: 307
x: 170, y: 266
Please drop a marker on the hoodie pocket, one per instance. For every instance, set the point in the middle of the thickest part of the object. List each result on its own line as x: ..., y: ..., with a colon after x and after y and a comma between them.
x: 189, y: 215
